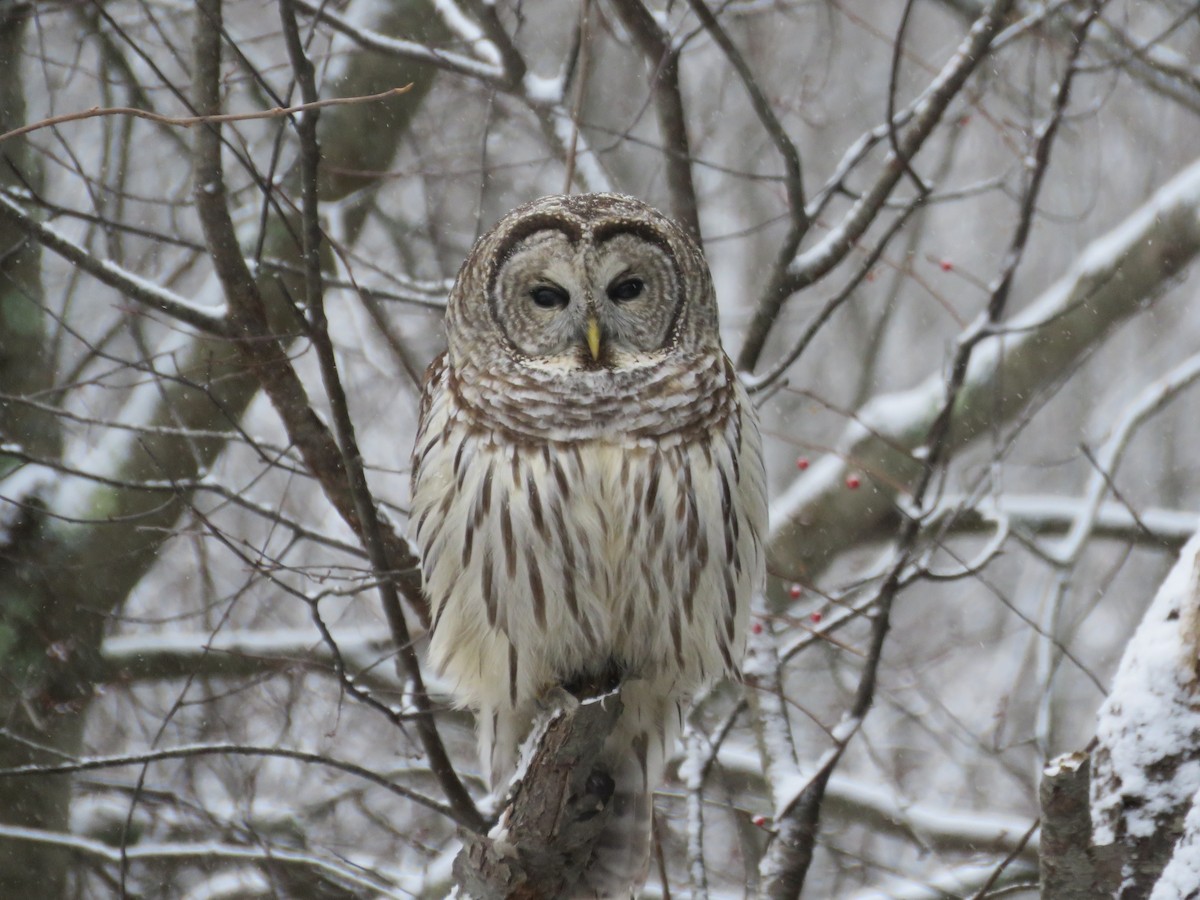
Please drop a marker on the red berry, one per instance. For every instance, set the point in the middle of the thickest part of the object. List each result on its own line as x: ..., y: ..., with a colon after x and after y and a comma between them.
x: 756, y: 627
x: 759, y: 821
x: 853, y: 482
x: 795, y: 591
x: 816, y: 617
x: 946, y: 265
x: 802, y: 463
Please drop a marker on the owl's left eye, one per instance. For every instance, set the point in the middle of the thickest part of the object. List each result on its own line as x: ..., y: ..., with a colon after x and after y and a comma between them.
x: 627, y: 289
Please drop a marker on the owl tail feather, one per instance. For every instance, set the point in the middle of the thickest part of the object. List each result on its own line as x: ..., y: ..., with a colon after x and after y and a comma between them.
x: 634, y: 755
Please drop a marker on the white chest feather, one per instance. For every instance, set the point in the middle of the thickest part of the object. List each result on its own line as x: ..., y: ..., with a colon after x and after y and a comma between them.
x: 547, y: 561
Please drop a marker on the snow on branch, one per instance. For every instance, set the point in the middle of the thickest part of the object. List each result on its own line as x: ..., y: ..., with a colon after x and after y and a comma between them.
x: 362, y: 873
x: 208, y: 320
x: 497, y: 64
x: 1109, y: 282
x: 1151, y: 399
x: 488, y: 72
x: 240, y: 654
x: 1049, y: 514
x: 887, y: 811
x: 1146, y: 767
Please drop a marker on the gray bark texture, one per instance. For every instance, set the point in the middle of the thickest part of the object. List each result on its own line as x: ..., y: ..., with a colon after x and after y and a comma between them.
x: 552, y: 815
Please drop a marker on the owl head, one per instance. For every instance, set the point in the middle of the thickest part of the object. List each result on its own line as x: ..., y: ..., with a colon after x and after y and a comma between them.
x: 582, y: 283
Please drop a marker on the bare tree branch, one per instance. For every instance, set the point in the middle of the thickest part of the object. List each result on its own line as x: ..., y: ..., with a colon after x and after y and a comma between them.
x: 663, y: 58
x: 372, y: 529
x: 189, y: 121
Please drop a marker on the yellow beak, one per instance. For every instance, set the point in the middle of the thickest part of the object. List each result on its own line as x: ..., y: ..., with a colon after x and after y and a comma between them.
x: 593, y: 337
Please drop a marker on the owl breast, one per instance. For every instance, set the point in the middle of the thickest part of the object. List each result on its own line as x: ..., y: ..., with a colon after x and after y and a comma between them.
x: 554, y: 557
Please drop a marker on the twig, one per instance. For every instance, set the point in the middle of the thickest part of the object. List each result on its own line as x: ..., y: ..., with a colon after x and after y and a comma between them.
x: 799, y: 819
x: 205, y: 854
x: 756, y: 384
x: 581, y: 64
x: 189, y: 121
x: 195, y: 750
x: 893, y: 134
x: 793, y: 171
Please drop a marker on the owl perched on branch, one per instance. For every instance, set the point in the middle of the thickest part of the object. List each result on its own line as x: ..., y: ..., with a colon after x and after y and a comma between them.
x: 588, y: 491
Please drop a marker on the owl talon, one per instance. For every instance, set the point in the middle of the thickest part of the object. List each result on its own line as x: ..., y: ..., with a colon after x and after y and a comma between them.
x: 599, y: 788
x: 587, y: 685
x: 559, y: 698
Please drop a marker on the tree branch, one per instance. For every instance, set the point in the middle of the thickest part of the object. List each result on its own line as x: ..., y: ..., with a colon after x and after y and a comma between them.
x: 554, y: 813
x: 372, y: 530
x: 189, y: 121
x: 1066, y: 866
x: 663, y: 58
x: 1144, y: 767
x: 136, y: 288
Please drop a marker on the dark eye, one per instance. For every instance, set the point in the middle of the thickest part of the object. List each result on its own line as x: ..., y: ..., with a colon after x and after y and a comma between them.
x: 548, y: 297
x: 627, y: 289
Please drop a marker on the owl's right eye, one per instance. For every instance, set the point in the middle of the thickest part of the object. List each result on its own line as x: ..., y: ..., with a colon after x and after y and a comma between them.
x: 549, y: 297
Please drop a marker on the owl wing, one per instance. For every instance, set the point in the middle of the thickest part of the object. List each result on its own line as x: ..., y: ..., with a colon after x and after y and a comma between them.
x: 431, y: 385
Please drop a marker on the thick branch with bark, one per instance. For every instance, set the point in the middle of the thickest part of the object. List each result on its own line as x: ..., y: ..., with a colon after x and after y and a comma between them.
x: 1067, y: 863
x: 554, y: 812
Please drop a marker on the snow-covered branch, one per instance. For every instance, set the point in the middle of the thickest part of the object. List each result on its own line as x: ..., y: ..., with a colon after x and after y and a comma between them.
x: 822, y: 257
x: 489, y: 72
x: 204, y: 319
x: 885, y: 810
x: 361, y: 873
x: 1045, y: 515
x: 1109, y: 282
x: 246, y: 654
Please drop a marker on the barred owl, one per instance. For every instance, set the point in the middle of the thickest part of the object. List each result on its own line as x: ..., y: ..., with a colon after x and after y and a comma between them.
x: 588, y: 491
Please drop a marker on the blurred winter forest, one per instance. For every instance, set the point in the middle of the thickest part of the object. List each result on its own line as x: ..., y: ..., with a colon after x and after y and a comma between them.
x: 953, y: 242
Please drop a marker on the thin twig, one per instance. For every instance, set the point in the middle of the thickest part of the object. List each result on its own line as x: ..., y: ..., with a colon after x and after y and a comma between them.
x: 793, y: 171
x: 801, y: 815
x: 581, y: 65
x: 189, y: 121
x: 194, y: 750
